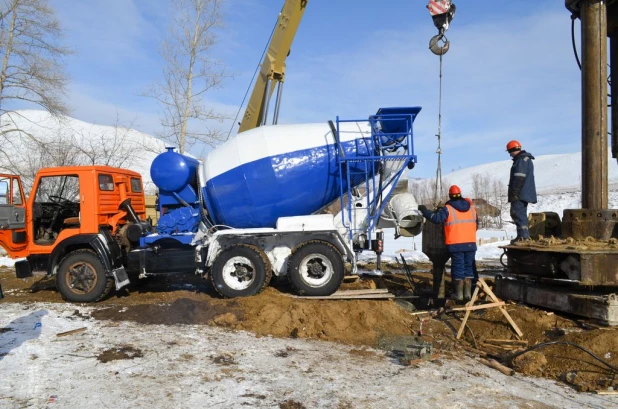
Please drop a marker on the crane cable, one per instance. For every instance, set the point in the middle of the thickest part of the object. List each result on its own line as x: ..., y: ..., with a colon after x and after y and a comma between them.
x: 438, y: 185
x: 257, y: 68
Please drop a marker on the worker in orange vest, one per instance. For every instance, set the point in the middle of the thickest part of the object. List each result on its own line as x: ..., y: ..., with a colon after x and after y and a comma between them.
x: 460, y: 224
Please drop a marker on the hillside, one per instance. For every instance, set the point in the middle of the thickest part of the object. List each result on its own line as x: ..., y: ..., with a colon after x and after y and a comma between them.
x: 553, y: 173
x: 69, y: 141
x: 558, y: 177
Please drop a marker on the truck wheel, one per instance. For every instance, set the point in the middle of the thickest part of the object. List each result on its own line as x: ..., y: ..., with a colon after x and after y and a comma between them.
x: 81, y: 277
x: 315, y: 269
x: 240, y: 271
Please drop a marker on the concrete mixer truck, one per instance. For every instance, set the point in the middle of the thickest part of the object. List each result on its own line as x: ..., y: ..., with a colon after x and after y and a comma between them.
x: 251, y: 209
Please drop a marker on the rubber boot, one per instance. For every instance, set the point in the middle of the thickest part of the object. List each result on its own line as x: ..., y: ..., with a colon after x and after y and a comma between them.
x: 467, y: 289
x: 457, y: 290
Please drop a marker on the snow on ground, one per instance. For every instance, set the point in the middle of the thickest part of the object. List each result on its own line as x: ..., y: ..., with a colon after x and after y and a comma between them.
x: 7, y: 262
x: 202, y: 366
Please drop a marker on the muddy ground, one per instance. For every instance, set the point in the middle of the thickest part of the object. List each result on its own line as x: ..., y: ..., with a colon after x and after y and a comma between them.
x: 182, y: 299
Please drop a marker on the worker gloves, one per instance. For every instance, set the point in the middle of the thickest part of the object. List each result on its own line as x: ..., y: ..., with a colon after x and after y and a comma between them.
x: 422, y: 208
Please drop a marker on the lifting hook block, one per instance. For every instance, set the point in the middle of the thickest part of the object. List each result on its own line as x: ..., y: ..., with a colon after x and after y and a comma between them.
x: 436, y: 47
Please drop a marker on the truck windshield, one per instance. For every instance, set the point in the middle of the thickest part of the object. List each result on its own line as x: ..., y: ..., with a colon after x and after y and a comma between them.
x: 65, y: 187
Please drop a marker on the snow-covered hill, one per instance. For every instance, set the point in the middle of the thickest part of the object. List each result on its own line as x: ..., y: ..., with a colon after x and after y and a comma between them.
x: 70, y: 141
x: 553, y: 173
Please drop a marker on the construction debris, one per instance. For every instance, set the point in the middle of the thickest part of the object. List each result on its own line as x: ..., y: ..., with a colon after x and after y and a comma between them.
x: 492, y: 363
x: 73, y: 331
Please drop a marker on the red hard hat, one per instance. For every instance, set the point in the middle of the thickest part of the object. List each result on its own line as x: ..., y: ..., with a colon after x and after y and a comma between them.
x: 454, y: 190
x: 513, y: 146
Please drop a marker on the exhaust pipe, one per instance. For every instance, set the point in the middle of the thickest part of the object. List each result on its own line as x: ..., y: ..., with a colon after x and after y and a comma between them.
x: 126, y: 206
x: 139, y: 227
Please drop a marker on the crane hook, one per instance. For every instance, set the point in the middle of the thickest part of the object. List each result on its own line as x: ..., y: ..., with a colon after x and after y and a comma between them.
x: 442, y: 13
x: 435, y: 47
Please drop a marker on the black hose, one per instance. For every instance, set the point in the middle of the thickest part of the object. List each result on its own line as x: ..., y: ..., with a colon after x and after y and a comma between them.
x: 579, y: 64
x: 201, y: 203
x: 502, y: 262
x: 612, y: 367
x: 469, y: 329
x: 573, y: 18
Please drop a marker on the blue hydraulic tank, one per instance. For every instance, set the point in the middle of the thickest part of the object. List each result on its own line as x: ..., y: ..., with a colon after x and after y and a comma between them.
x: 172, y: 172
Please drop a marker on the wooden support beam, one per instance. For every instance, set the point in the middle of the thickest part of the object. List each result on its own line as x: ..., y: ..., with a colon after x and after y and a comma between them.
x: 497, y: 303
x: 477, y: 307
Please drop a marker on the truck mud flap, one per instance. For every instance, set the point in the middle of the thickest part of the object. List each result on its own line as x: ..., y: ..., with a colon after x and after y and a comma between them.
x: 120, y: 277
x: 23, y: 269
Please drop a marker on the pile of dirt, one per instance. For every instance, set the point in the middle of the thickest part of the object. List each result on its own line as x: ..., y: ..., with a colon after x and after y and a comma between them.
x: 531, y: 362
x: 180, y: 300
x: 275, y: 313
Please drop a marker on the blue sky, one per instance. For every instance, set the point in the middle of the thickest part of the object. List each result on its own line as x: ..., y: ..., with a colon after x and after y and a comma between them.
x: 510, y: 72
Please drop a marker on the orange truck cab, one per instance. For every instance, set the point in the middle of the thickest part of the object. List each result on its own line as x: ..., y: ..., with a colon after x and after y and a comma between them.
x: 76, y: 224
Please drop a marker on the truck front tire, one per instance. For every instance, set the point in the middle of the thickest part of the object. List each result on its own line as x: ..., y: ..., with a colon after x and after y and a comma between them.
x: 81, y: 277
x: 241, y: 270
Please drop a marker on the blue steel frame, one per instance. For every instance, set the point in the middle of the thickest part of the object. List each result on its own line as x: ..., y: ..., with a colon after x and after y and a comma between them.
x: 387, y: 147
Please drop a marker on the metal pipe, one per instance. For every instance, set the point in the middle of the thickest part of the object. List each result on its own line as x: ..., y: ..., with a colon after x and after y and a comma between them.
x: 277, y: 102
x: 594, y: 104
x: 126, y: 206
x: 266, y: 102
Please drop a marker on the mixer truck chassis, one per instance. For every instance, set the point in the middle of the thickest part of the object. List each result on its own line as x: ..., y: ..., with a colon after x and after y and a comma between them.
x: 251, y: 210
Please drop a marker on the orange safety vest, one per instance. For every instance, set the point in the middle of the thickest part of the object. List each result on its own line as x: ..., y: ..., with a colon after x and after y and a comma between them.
x: 460, y: 227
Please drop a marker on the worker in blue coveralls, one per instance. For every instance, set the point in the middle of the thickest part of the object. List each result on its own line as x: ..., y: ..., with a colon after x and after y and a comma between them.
x: 522, y: 189
x: 460, y: 224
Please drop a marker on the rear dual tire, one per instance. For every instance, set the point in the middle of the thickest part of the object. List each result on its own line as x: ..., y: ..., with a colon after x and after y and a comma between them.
x: 315, y: 268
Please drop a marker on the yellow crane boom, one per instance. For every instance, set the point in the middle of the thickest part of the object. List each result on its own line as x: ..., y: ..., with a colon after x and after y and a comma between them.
x: 272, y: 70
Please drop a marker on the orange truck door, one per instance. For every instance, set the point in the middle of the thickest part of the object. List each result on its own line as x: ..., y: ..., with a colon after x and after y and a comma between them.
x: 12, y: 214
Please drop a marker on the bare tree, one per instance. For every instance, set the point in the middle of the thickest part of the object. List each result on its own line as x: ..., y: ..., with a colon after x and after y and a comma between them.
x: 31, y: 73
x: 32, y: 65
x: 424, y: 191
x: 499, y: 199
x: 28, y: 155
x: 108, y: 146
x: 62, y: 142
x: 189, y: 74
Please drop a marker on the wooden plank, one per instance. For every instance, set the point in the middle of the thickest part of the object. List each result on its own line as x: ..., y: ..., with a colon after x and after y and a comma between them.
x: 348, y: 297
x: 507, y: 342
x: 477, y: 307
x: 471, y: 303
x: 492, y: 363
x: 474, y: 350
x: 495, y: 350
x: 606, y: 392
x: 421, y: 312
x: 362, y: 291
x: 73, y: 331
x: 510, y: 320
